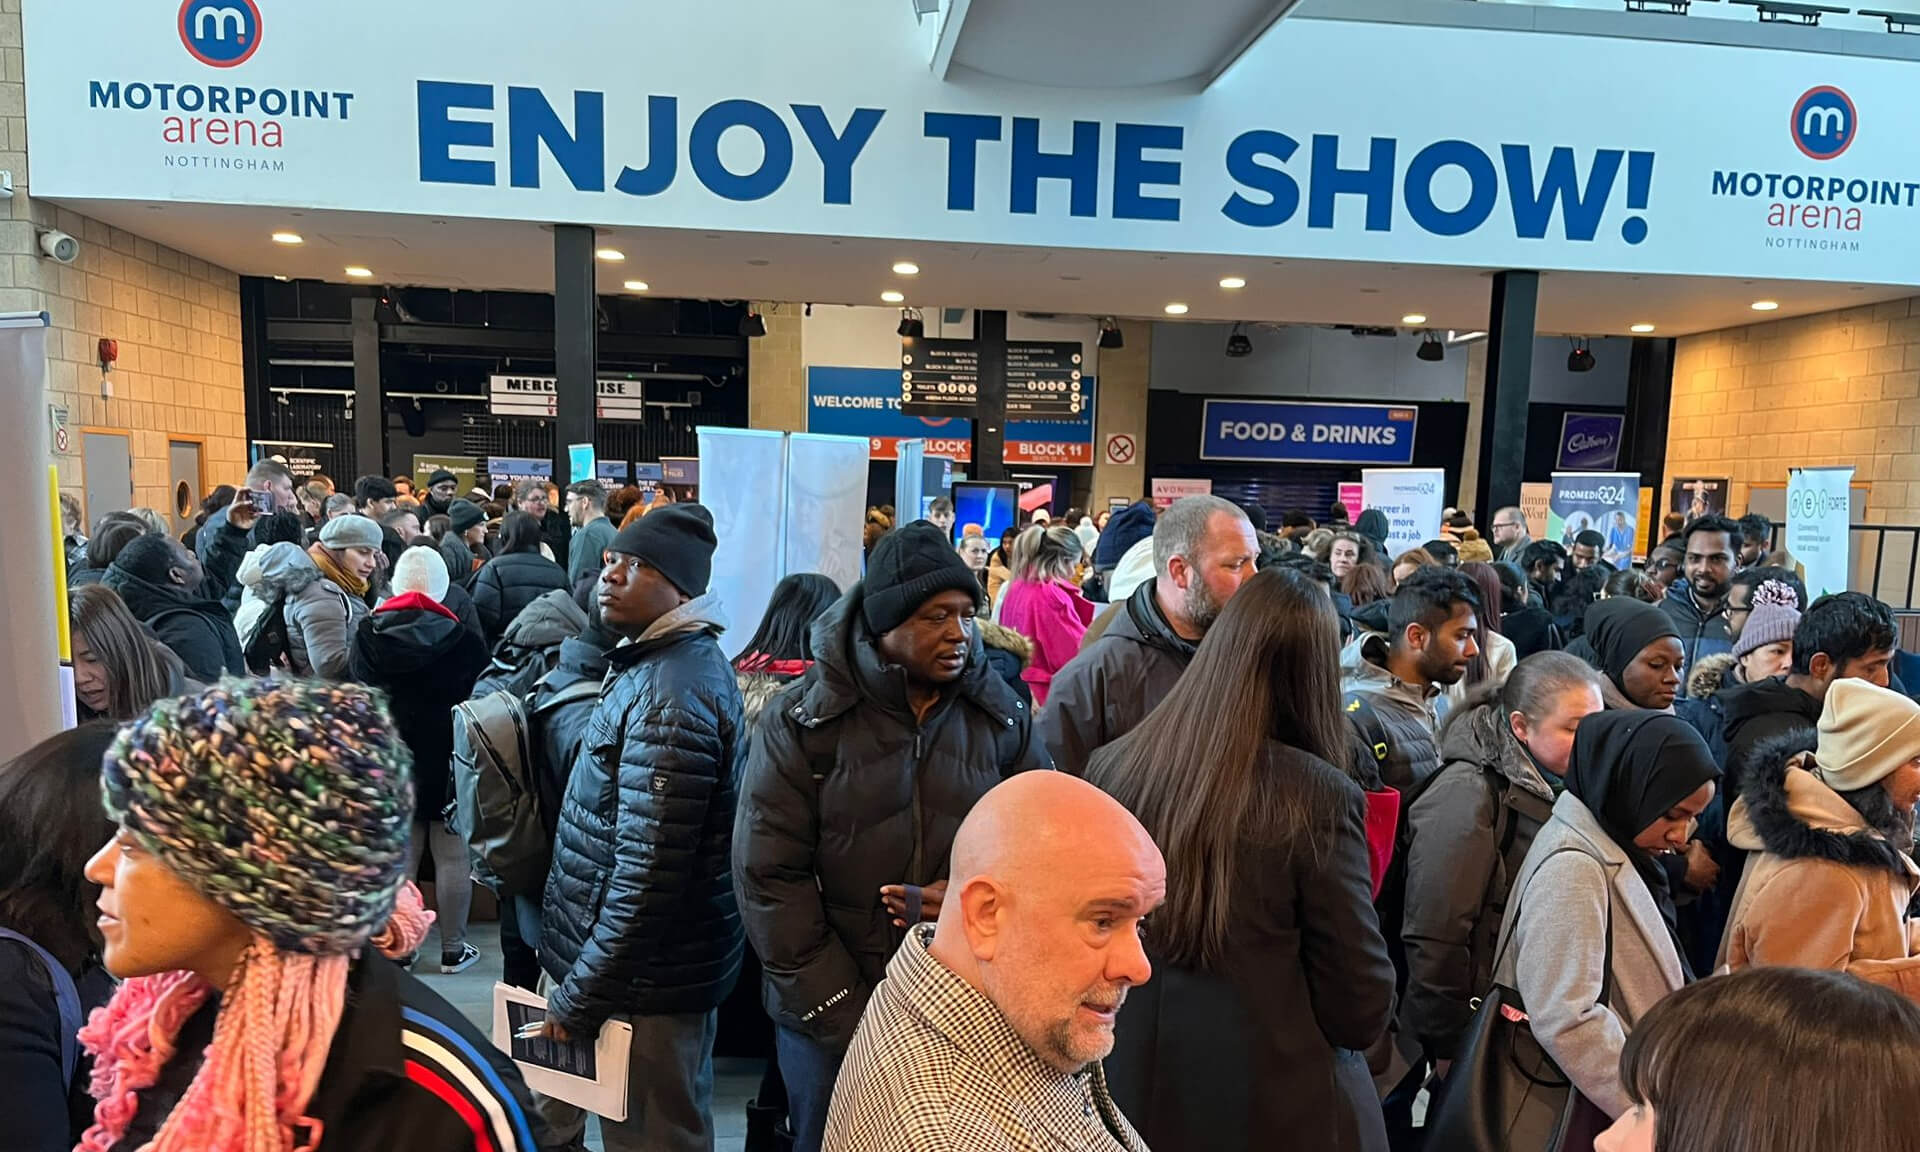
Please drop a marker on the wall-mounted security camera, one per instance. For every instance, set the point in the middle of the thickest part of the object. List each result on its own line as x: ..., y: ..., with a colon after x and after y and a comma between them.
x: 59, y: 246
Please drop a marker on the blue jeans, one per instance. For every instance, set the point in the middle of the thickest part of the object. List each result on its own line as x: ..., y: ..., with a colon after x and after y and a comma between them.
x: 810, y: 1071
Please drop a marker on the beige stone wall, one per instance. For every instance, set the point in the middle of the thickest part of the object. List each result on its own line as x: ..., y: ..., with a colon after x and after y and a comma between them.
x: 177, y: 320
x: 1835, y: 388
x: 777, y: 371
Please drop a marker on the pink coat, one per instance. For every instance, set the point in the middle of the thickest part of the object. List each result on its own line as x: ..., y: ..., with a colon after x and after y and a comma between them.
x: 1053, y: 615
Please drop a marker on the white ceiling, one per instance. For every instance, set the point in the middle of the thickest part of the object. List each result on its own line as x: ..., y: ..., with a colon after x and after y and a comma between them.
x: 458, y: 253
x: 1105, y: 43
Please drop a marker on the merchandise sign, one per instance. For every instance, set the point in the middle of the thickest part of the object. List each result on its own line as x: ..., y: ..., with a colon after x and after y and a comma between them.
x: 1289, y: 432
x: 1819, y: 508
x: 1043, y: 381
x: 514, y: 469
x: 939, y: 377
x: 1694, y: 497
x: 1603, y: 502
x: 1413, y: 500
x: 534, y: 396
x: 305, y: 460
x: 1590, y: 441
x: 1166, y: 491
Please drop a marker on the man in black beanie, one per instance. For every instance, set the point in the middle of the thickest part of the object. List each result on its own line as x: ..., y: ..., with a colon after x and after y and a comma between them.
x: 443, y: 489
x: 640, y: 920
x: 860, y: 774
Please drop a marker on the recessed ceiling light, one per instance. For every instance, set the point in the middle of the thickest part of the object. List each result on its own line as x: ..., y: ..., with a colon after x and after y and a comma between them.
x: 358, y: 273
x: 906, y: 268
x: 288, y: 238
x: 1233, y: 282
x: 1414, y: 318
x: 1765, y: 305
x: 610, y: 255
x: 892, y: 297
x: 636, y: 285
x: 1176, y: 309
x: 1643, y: 329
x: 282, y: 279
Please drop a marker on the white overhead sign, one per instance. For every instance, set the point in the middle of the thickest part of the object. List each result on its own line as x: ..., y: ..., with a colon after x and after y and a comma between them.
x: 534, y: 396
x: 1723, y: 162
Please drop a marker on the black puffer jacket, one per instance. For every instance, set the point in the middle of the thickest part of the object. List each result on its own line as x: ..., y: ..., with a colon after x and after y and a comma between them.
x: 846, y: 791
x: 426, y: 662
x: 199, y: 631
x: 1104, y: 692
x: 562, y: 727
x: 640, y: 916
x: 508, y: 584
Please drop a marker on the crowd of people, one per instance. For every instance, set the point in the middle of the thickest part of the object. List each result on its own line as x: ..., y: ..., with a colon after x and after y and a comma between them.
x: 1151, y: 829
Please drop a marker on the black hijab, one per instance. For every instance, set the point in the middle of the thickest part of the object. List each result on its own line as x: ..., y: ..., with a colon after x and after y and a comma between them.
x: 1619, y: 628
x: 1630, y: 768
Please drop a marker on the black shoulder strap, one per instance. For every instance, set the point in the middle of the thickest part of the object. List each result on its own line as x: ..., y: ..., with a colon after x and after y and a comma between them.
x: 1506, y: 825
x: 1367, y: 722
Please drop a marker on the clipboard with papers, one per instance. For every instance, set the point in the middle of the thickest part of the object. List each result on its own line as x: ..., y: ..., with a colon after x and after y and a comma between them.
x: 589, y: 1074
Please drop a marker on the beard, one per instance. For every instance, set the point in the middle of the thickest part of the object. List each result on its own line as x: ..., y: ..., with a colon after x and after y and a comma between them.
x: 1199, y: 605
x: 1877, y: 808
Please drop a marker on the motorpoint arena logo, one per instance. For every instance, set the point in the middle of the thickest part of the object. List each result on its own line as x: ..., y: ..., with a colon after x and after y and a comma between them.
x: 1824, y: 123
x: 220, y: 33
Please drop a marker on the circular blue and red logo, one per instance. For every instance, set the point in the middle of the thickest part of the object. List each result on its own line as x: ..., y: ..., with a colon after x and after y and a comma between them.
x: 1824, y: 123
x: 220, y: 33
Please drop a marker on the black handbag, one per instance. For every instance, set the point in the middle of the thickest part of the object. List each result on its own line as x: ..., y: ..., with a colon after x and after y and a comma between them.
x: 1505, y: 1094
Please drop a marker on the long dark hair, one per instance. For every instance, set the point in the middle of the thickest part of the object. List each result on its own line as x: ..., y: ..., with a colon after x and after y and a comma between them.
x: 1486, y: 618
x: 1366, y: 583
x: 1195, y: 771
x: 137, y: 670
x: 786, y: 631
x: 1826, y: 1062
x: 51, y: 823
x: 519, y: 532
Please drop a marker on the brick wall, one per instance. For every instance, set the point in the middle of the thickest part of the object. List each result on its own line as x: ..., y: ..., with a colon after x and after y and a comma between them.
x: 1836, y: 388
x: 776, y: 371
x: 177, y: 320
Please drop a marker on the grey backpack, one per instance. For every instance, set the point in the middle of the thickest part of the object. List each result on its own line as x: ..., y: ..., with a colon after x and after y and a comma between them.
x: 497, y: 806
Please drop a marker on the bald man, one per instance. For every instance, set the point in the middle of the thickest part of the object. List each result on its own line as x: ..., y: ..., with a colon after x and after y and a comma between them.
x: 987, y: 1033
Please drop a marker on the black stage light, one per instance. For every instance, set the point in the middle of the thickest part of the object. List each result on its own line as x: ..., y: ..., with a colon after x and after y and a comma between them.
x: 1110, y: 336
x: 1238, y: 344
x: 1431, y: 348
x: 1581, y: 358
x: 752, y: 326
x: 912, y: 327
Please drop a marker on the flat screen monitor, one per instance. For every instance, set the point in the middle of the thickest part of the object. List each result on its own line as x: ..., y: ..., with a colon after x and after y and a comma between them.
x: 993, y: 507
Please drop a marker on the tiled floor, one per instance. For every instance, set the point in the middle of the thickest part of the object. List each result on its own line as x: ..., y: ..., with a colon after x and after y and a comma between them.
x: 735, y: 1081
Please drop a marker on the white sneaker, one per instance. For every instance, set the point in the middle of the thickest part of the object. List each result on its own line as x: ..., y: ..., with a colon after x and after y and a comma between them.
x: 453, y: 962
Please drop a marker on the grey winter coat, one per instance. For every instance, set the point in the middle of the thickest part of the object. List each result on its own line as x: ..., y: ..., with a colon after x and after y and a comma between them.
x: 1554, y: 945
x: 1466, y: 837
x: 640, y: 915
x: 1411, y: 717
x: 321, y: 617
x: 1107, y: 690
x: 847, y: 791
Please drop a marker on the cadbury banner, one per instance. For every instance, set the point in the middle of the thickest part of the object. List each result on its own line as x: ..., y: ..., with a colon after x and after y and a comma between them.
x: 1590, y: 441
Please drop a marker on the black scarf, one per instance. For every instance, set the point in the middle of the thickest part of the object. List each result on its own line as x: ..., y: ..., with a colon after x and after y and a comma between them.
x: 1629, y: 769
x: 1620, y: 628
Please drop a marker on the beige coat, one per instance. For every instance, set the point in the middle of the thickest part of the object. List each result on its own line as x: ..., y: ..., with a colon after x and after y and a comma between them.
x: 1822, y: 889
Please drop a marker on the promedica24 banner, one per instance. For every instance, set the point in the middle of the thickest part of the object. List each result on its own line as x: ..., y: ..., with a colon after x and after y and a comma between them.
x: 1603, y: 502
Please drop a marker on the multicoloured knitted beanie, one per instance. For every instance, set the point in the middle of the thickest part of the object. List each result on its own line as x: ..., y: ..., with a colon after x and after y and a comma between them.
x: 286, y: 802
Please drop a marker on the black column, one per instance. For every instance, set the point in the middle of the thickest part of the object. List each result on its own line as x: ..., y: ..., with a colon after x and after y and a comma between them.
x: 1649, y: 396
x: 1503, y: 405
x: 369, y: 406
x: 254, y: 369
x: 576, y: 333
x: 990, y: 415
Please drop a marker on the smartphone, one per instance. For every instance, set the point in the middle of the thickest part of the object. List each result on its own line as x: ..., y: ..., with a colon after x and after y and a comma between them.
x: 260, y: 498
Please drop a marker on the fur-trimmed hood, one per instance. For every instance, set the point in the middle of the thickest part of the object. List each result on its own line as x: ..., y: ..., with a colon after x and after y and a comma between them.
x: 1788, y: 811
x: 1006, y: 639
x: 1710, y: 674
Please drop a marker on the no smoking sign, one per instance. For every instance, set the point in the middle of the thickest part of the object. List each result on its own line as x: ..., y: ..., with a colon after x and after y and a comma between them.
x: 1121, y: 449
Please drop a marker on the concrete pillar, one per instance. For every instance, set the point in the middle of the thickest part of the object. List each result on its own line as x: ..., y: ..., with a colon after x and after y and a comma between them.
x: 1470, y: 451
x: 777, y: 370
x: 1122, y: 409
x: 576, y: 345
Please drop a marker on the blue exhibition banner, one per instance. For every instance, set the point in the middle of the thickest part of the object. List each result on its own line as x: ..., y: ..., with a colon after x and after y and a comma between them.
x: 1590, y: 441
x: 1291, y: 432
x: 866, y: 402
x: 514, y: 469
